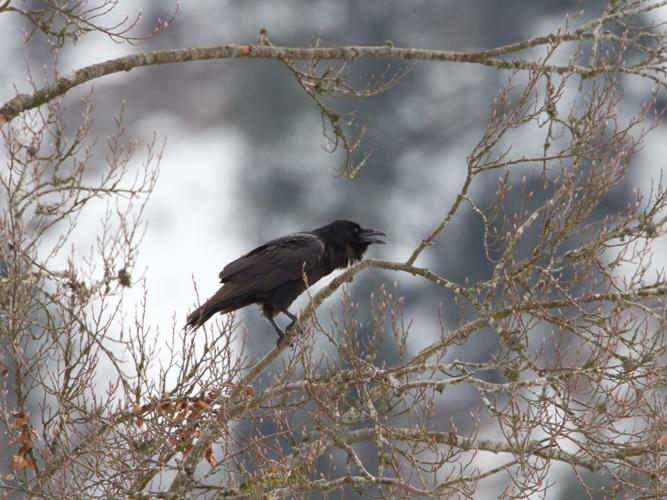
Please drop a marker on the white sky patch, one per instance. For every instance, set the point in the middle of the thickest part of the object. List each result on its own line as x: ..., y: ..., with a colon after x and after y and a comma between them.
x: 192, y: 219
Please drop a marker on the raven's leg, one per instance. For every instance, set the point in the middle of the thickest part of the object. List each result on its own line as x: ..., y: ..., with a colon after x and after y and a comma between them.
x: 292, y: 317
x: 280, y: 333
x: 283, y: 338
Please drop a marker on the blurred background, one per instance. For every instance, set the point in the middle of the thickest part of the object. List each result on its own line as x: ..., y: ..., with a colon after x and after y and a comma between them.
x: 244, y: 159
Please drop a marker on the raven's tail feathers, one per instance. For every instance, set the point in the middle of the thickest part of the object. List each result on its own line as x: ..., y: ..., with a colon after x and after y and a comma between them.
x: 215, y: 304
x: 199, y: 316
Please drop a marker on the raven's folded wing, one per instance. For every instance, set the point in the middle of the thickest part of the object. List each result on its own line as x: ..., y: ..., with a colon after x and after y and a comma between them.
x: 274, y: 263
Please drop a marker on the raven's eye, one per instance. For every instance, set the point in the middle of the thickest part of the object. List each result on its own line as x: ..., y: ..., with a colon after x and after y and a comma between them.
x: 356, y: 230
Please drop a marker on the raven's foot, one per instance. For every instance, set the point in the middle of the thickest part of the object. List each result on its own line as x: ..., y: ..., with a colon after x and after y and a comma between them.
x: 284, y: 340
x: 287, y: 337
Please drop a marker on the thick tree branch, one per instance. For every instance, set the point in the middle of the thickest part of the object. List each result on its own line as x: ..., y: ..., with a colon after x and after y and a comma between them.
x: 24, y: 102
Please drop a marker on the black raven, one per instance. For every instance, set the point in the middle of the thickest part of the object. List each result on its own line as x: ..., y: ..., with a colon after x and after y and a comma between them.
x: 272, y: 275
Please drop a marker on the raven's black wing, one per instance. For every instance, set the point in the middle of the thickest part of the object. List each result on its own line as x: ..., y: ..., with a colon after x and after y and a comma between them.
x: 274, y: 263
x: 259, y: 272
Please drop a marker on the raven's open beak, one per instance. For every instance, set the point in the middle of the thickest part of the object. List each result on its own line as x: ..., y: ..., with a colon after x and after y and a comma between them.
x: 368, y: 235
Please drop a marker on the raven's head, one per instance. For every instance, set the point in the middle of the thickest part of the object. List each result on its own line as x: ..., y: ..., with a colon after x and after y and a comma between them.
x: 349, y: 239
